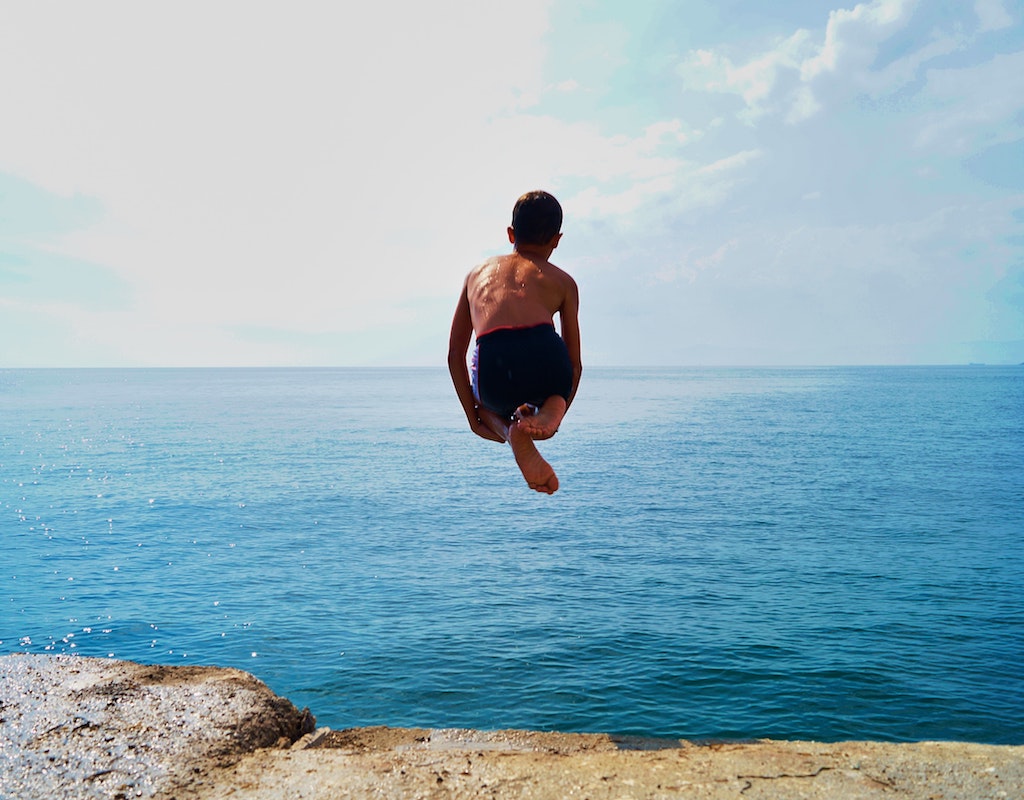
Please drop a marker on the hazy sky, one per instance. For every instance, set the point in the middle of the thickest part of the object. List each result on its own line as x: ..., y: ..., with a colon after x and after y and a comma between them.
x: 307, y: 183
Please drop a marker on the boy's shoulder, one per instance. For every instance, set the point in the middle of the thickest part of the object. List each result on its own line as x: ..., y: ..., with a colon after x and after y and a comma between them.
x: 492, y: 261
x: 489, y: 264
x: 559, y: 274
x: 511, y: 264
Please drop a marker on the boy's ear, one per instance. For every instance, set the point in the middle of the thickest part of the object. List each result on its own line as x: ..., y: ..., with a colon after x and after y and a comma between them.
x: 511, y: 235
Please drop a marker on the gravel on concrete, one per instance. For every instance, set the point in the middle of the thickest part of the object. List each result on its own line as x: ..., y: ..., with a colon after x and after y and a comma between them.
x: 95, y: 728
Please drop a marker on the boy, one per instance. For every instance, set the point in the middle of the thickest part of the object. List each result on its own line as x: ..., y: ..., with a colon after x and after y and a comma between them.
x: 524, y: 374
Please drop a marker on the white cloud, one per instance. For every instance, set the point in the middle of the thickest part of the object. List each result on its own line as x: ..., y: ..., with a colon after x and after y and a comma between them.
x: 730, y: 163
x: 792, y: 76
x: 992, y: 15
x: 257, y: 163
x: 974, y: 106
x: 898, y: 284
x: 759, y: 81
x: 304, y: 169
x: 963, y: 106
x: 852, y: 37
x: 675, y: 186
x: 904, y: 70
x: 694, y: 262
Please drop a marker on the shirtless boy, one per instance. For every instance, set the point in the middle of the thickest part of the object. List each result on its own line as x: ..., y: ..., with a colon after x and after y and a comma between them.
x: 524, y: 374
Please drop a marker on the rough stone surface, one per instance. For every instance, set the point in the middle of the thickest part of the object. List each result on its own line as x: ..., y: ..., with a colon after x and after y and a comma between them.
x: 91, y: 728
x: 459, y: 764
x: 95, y: 728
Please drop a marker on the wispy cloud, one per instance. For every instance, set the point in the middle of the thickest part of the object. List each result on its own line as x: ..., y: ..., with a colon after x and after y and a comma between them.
x: 798, y: 74
x: 309, y: 184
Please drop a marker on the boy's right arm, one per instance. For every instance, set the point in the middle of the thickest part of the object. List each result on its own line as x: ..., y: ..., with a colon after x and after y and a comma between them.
x: 458, y: 345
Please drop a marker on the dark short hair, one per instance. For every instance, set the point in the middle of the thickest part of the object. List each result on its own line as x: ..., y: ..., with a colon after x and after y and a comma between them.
x: 536, y: 218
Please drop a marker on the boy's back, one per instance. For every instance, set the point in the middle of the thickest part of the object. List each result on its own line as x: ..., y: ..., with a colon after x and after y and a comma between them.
x: 517, y: 290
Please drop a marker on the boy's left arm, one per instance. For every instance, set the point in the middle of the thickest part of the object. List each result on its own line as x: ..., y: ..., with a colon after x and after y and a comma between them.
x: 570, y: 324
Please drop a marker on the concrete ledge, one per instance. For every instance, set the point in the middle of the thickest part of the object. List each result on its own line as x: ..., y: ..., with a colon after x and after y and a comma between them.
x: 91, y: 728
x: 461, y: 764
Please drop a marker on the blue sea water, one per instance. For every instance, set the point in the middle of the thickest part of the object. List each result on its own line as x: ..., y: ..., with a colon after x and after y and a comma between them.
x: 792, y: 553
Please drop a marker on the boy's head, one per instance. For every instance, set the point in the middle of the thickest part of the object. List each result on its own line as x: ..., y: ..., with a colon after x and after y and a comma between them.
x: 536, y: 218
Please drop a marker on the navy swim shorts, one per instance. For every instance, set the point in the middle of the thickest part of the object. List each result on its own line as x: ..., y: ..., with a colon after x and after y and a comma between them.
x: 512, y: 366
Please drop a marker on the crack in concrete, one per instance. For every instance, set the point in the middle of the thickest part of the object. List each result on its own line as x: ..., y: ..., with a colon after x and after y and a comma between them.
x: 750, y: 778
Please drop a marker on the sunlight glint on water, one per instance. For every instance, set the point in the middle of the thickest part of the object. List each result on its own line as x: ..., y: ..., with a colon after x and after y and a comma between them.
x: 817, y: 553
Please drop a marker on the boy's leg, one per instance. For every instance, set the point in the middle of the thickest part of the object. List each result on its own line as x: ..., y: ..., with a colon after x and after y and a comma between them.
x: 542, y: 423
x: 494, y: 422
x: 537, y: 472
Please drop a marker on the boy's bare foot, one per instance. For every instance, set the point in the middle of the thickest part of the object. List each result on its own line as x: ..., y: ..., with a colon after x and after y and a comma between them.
x: 524, y: 411
x: 542, y: 423
x: 537, y: 472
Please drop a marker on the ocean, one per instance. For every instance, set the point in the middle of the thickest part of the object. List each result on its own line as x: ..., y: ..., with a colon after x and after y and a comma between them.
x: 818, y: 553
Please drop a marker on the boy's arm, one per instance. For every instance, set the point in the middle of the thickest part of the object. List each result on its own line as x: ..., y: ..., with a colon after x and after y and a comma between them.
x: 458, y: 346
x: 570, y: 324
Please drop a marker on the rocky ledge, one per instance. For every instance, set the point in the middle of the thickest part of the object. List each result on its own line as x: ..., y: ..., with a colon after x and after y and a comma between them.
x: 96, y: 728
x: 92, y: 728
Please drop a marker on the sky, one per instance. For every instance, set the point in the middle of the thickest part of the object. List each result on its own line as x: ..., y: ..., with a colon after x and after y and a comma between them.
x: 307, y: 183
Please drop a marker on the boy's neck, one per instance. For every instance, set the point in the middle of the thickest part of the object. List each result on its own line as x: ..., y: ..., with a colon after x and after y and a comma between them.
x: 533, y: 250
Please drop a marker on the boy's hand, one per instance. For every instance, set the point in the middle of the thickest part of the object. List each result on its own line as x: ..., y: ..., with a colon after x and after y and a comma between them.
x: 481, y: 429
